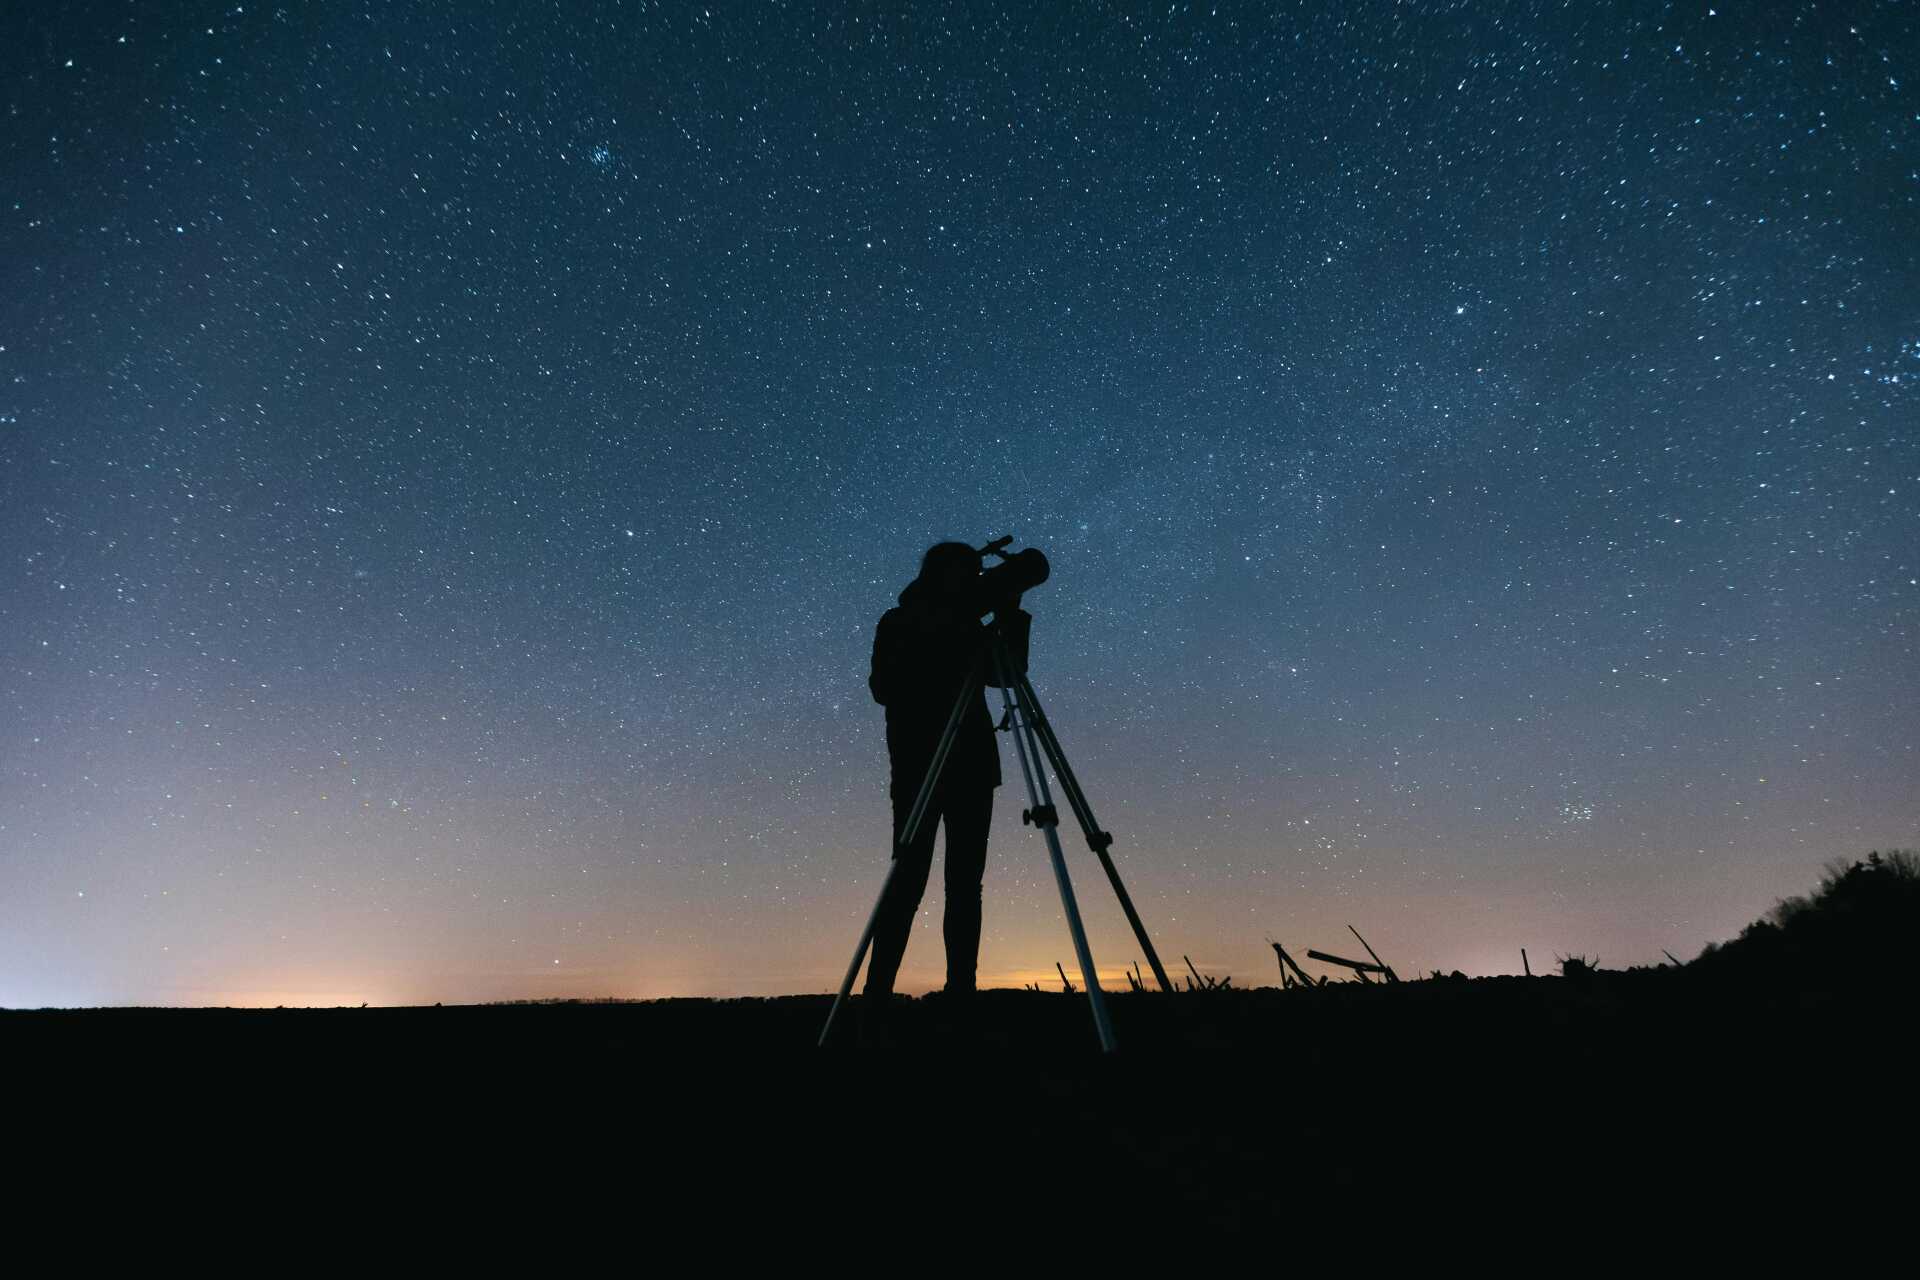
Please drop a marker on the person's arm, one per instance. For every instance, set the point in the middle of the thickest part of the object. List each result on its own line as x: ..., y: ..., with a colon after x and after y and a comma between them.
x: 883, y: 678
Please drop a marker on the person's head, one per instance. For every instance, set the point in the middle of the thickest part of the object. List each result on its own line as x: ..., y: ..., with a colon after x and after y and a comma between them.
x: 949, y: 566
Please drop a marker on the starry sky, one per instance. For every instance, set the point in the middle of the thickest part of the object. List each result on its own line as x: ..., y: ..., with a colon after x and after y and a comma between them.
x: 453, y: 457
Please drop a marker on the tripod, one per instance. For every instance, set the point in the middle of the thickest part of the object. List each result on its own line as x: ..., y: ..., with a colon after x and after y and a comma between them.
x: 1032, y: 737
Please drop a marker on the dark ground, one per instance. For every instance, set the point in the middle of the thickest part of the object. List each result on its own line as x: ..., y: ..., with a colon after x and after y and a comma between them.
x: 1643, y: 1092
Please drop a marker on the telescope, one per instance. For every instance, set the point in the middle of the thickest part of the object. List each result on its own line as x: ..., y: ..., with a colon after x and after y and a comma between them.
x: 1000, y: 587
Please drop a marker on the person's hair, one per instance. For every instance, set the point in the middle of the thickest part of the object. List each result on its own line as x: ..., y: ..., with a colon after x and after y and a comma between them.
x: 943, y: 555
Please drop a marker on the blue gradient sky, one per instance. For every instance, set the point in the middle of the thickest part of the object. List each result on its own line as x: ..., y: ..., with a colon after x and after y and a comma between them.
x: 452, y: 460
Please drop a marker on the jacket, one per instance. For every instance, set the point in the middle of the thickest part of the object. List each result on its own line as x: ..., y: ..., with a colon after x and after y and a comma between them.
x: 922, y: 655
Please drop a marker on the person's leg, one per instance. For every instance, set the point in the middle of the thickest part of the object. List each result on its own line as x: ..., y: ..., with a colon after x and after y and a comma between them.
x: 969, y: 816
x: 908, y: 886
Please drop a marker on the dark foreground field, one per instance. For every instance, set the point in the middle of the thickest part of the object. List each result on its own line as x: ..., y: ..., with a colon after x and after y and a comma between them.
x: 1639, y: 1092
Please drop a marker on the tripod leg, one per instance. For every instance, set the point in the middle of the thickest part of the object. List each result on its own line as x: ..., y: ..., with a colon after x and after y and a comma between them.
x: 859, y: 952
x: 969, y: 689
x: 975, y: 677
x: 1097, y: 840
x: 1043, y: 816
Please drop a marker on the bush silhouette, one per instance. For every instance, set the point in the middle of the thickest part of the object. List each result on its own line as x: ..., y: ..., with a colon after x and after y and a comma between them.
x: 1579, y: 968
x: 1853, y: 927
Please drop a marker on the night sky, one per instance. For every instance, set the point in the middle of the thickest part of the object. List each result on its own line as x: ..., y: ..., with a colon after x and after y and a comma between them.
x: 453, y: 458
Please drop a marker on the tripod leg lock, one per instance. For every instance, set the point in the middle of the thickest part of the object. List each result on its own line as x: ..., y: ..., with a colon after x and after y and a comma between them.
x: 1041, y: 815
x: 1100, y: 841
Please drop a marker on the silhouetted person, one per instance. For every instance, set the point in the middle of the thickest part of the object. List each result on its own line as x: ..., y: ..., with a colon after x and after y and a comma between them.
x: 923, y: 652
